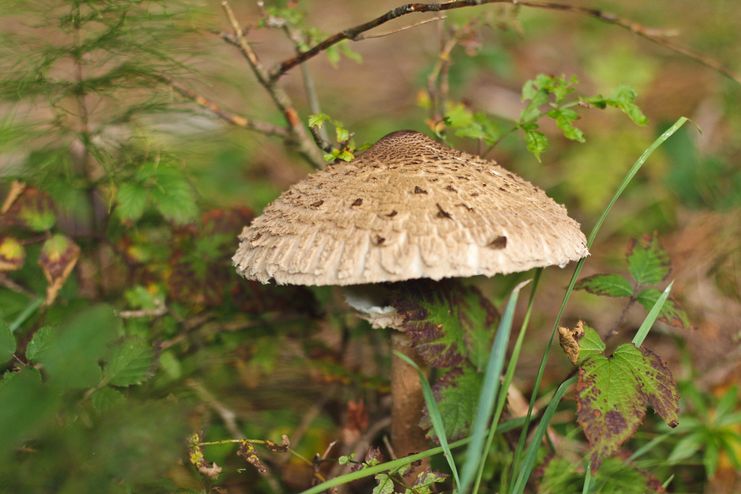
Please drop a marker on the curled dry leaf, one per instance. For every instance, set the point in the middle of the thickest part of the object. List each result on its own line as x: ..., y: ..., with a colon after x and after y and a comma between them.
x: 58, y: 257
x: 12, y: 254
x: 285, y: 443
x: 29, y: 208
x: 198, y: 460
x: 247, y: 451
x: 16, y: 189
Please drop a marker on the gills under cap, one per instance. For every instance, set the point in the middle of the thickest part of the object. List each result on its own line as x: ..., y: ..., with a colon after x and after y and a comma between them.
x: 407, y: 208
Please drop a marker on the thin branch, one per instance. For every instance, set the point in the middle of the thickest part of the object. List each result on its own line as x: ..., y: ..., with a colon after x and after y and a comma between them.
x: 299, y: 136
x: 231, y: 118
x: 656, y: 36
x: 361, y: 37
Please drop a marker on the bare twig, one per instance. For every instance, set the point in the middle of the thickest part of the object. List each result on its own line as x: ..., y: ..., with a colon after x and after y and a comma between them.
x: 437, y: 80
x: 353, y: 33
x: 158, y: 310
x: 231, y: 118
x: 298, y: 134
x: 361, y: 37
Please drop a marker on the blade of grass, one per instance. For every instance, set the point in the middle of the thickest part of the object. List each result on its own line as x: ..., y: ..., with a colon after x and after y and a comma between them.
x: 577, y: 270
x: 508, y: 376
x: 396, y: 464
x: 489, y: 390
x: 587, y: 479
x: 27, y: 312
x: 532, y: 450
x: 653, y: 314
x: 435, y: 418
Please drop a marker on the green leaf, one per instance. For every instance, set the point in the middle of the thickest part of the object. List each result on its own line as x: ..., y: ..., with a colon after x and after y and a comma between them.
x: 457, y: 394
x: 384, y: 484
x: 12, y: 254
x: 39, y: 343
x: 686, y: 448
x: 106, y: 398
x: 671, y: 313
x: 565, y: 118
x: 318, y: 120
x: 447, y: 322
x: 73, y: 350
x: 624, y: 99
x: 613, y: 393
x: 169, y: 363
x: 27, y: 405
x: 131, y: 200
x: 173, y: 196
x: 610, y: 285
x: 580, y: 343
x: 130, y: 363
x: 648, y: 262
x: 535, y: 140
x: 7, y: 343
x: 615, y: 476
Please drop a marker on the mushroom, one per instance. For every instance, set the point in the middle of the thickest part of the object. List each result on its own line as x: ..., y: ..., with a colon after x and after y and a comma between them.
x: 407, y: 208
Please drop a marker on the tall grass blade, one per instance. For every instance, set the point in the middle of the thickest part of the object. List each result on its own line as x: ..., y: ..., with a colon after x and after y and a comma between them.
x: 653, y: 314
x: 587, y: 480
x: 577, y: 270
x: 508, y: 376
x: 489, y: 390
x: 435, y: 418
x: 532, y: 451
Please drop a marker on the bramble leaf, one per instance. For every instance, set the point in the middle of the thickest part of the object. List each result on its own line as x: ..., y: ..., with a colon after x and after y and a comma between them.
x: 671, y: 313
x: 648, y: 262
x: 132, y: 201
x: 33, y: 209
x: 615, y: 476
x: 457, y: 394
x: 38, y: 343
x: 624, y: 100
x: 106, y: 398
x: 613, y: 393
x: 130, y: 363
x: 565, y: 118
x: 535, y: 140
x: 610, y: 285
x: 12, y: 254
x: 58, y: 257
x: 447, y: 323
x: 72, y: 351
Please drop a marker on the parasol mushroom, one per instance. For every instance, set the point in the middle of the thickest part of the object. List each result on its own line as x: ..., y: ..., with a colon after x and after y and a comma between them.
x: 405, y: 209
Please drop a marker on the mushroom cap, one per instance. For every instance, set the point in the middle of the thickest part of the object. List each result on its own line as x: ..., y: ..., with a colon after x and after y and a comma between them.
x: 407, y: 208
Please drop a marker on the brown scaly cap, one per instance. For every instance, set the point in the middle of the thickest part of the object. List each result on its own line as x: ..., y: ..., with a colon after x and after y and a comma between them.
x: 407, y: 208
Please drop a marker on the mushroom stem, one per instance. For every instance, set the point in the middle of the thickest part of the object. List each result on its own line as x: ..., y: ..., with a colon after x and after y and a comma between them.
x: 407, y: 401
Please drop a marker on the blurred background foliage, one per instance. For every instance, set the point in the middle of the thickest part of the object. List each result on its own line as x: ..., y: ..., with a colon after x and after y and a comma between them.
x: 124, y: 328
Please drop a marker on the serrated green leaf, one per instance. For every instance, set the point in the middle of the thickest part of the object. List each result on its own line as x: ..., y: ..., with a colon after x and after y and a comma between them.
x: 580, y: 343
x: 535, y: 140
x: 447, y: 323
x: 131, y: 199
x: 130, y: 363
x: 613, y: 393
x: 614, y: 477
x: 105, y: 399
x: 610, y: 285
x: 39, y: 342
x: 671, y: 313
x: 318, y: 120
x: 624, y: 99
x: 173, y: 196
x: 457, y: 395
x: 27, y: 405
x: 565, y: 118
x: 384, y: 484
x: 7, y: 343
x: 74, y: 349
x: 648, y: 262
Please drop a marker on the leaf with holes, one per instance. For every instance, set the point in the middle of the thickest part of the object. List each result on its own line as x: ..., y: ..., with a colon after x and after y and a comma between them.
x: 12, y: 254
x: 58, y: 257
x: 613, y: 393
x: 447, y: 322
x: 457, y: 394
x: 610, y: 285
x: 671, y: 313
x: 648, y: 262
x: 130, y: 363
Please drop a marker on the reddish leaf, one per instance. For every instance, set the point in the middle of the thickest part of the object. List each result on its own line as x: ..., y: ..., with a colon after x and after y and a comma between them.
x: 31, y: 208
x: 12, y: 254
x: 58, y: 257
